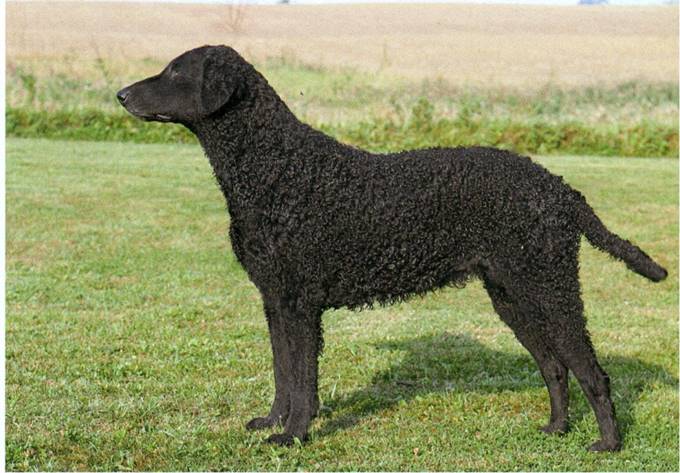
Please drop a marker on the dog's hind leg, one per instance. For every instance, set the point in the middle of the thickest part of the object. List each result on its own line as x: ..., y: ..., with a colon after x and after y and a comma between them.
x: 549, y: 294
x: 554, y: 372
x: 559, y: 300
x: 575, y: 349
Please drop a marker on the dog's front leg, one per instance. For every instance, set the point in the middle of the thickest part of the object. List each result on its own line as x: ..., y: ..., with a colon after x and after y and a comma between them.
x: 304, y: 342
x: 278, y: 413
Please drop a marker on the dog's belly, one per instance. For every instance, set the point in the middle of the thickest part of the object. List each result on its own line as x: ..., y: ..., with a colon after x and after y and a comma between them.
x: 395, y: 272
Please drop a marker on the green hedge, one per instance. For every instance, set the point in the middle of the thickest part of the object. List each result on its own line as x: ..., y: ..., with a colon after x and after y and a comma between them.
x: 92, y: 125
x: 420, y: 129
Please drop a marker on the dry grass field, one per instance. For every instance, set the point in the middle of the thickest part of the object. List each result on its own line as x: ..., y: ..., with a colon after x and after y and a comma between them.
x: 483, y: 45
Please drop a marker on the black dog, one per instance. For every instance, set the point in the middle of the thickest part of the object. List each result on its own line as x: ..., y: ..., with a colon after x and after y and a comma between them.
x: 318, y: 224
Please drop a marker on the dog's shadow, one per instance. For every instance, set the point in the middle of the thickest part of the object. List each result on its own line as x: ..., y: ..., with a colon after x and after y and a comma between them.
x: 459, y: 363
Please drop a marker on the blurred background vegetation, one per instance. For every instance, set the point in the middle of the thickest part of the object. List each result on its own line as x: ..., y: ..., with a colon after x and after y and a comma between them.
x: 61, y: 83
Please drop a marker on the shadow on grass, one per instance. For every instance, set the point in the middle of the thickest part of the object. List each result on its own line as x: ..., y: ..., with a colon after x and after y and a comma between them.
x: 458, y: 363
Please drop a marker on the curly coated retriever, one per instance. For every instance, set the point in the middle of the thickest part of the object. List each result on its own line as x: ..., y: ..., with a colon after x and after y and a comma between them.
x: 318, y: 224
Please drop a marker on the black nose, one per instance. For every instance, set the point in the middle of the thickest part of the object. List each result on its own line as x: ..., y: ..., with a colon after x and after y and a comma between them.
x: 123, y: 95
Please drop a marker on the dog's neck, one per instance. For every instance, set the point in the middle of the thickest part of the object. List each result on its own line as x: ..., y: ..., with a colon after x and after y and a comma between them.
x: 247, y: 146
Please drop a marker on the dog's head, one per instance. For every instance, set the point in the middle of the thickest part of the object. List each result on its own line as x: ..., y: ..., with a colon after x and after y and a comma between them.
x: 195, y: 85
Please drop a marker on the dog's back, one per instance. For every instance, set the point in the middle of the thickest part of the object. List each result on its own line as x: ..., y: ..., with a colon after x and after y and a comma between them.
x: 385, y: 227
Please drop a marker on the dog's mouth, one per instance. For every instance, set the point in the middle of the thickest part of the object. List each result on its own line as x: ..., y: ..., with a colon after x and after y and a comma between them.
x: 149, y: 117
x: 154, y: 117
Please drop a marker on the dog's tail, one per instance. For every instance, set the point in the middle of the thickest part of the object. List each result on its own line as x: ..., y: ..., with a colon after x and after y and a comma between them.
x: 600, y: 237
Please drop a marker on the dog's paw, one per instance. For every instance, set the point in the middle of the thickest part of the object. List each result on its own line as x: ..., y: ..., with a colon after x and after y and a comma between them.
x: 262, y: 423
x: 605, y: 446
x: 283, y: 439
x: 555, y: 428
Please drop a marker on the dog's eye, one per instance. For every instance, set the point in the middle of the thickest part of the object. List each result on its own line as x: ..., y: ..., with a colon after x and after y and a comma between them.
x: 174, y: 72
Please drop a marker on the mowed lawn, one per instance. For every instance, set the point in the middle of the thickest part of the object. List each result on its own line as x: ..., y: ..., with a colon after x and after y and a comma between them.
x: 134, y: 341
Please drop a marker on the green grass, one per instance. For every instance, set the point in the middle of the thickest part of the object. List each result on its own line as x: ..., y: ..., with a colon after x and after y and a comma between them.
x: 72, y: 99
x: 135, y: 341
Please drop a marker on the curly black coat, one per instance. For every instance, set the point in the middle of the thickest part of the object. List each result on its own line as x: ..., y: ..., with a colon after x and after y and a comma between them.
x: 319, y: 224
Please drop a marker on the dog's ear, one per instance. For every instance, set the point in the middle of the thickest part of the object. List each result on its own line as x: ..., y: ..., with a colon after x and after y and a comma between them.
x: 220, y: 81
